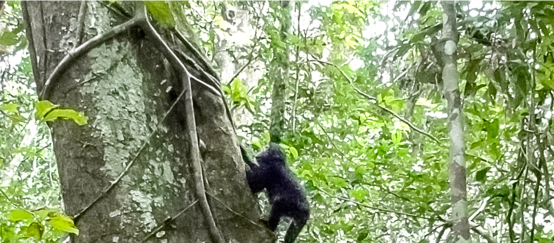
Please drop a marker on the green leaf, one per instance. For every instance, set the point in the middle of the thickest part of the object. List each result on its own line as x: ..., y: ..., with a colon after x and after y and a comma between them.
x: 77, y: 117
x: 17, y: 118
x: 359, y: 194
x: 35, y: 230
x: 337, y: 181
x: 257, y: 144
x: 46, y: 111
x: 424, y: 8
x: 42, y: 108
x: 293, y: 153
x: 44, y: 213
x: 492, y: 128
x: 225, y: 88
x: 370, y: 165
x: 160, y: 11
x: 547, y: 82
x: 481, y: 175
x: 8, y: 39
x: 363, y: 234
x: 19, y: 215
x: 397, y: 137
x: 414, y: 7
x: 266, y: 136
x: 64, y: 223
x: 9, y: 108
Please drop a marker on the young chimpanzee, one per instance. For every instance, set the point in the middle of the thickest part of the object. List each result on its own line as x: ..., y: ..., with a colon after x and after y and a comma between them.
x: 286, y: 196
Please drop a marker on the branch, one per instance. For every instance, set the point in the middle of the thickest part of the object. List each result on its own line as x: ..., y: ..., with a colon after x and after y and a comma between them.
x: 252, y: 58
x: 369, y: 97
x: 375, y: 208
x: 238, y: 214
x: 446, y: 226
x: 9, y: 200
x: 79, y: 51
x: 189, y: 120
x: 330, y: 140
x: 81, y: 21
x: 196, y: 53
x: 216, y: 85
x: 483, y: 205
x: 482, y: 233
x: 167, y: 221
x: 299, y: 4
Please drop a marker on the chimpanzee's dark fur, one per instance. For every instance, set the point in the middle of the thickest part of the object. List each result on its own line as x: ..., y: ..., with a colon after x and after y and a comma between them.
x: 286, y: 196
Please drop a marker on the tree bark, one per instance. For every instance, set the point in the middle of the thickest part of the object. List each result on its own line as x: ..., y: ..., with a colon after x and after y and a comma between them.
x: 280, y: 75
x: 447, y: 49
x: 121, y: 86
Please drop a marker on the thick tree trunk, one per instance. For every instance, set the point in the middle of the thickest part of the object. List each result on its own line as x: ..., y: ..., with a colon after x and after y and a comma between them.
x: 121, y: 86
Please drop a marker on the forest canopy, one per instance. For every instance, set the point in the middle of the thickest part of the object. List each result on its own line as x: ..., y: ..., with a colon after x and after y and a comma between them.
x: 405, y: 121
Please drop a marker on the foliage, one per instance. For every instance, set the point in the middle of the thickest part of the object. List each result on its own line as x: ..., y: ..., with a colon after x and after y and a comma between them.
x: 46, y: 111
x: 371, y: 177
x: 356, y: 68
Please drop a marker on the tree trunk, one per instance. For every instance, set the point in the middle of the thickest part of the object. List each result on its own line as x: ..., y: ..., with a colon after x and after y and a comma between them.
x: 121, y: 86
x: 280, y: 75
x: 447, y: 50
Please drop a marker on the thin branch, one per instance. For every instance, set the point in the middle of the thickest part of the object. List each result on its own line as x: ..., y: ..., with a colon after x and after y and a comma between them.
x: 167, y: 221
x: 116, y: 8
x: 483, y: 206
x: 216, y: 84
x: 403, y: 74
x: 433, y: 230
x: 196, y: 53
x: 81, y: 21
x: 297, y: 70
x: 374, y: 208
x: 236, y: 213
x: 482, y: 233
x: 31, y: 46
x: 8, y: 198
x: 538, y: 173
x: 252, y: 58
x: 446, y: 226
x: 523, y: 205
x: 369, y: 97
x: 542, y: 159
x: 72, y: 55
x: 330, y: 139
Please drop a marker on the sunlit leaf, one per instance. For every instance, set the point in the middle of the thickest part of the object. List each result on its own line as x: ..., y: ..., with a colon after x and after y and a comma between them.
x: 9, y: 108
x: 19, y: 215
x: 293, y: 152
x: 77, y: 117
x: 42, y: 108
x: 64, y: 223
x: 46, y: 111
x: 160, y: 11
